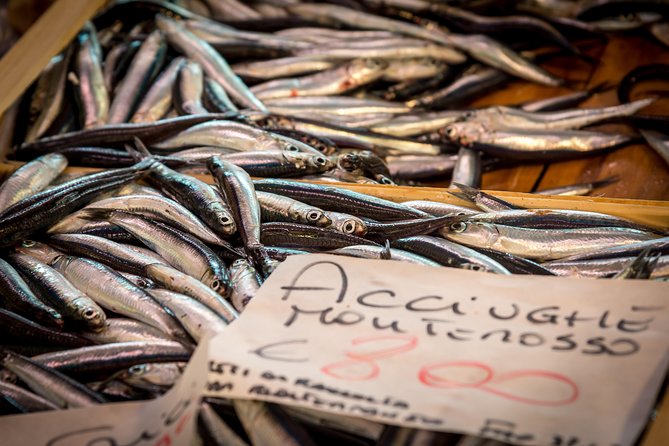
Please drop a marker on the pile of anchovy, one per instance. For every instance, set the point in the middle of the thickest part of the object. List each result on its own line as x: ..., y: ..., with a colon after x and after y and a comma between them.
x: 108, y: 280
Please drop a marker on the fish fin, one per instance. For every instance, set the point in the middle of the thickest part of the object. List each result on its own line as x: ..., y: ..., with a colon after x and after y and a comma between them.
x: 385, y: 253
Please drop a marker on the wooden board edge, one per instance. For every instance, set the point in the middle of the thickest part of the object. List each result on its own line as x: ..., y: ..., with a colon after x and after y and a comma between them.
x: 21, y: 65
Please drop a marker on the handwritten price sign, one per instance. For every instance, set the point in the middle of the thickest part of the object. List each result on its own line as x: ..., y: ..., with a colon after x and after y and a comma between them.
x: 528, y: 360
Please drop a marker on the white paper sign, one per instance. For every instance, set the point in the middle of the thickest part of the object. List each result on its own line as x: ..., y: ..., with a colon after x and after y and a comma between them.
x: 165, y: 421
x: 528, y: 360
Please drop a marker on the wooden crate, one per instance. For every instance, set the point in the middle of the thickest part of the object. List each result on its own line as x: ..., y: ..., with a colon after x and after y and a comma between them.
x: 644, y: 175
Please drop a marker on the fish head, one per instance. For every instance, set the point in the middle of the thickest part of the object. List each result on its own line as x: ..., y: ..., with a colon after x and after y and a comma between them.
x: 41, y: 251
x: 471, y: 233
x: 93, y: 317
x: 319, y: 163
x: 464, y: 133
x: 348, y: 224
x: 224, y: 219
x: 316, y: 217
x: 219, y: 281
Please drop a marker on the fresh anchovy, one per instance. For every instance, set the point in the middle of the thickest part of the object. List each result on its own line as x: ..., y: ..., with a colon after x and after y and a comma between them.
x: 143, y: 68
x: 553, y: 219
x: 151, y: 206
x: 111, y: 357
x: 439, y: 209
x: 91, y: 90
x: 580, y: 188
x: 196, y: 196
x: 378, y: 252
x: 41, y: 210
x: 52, y: 87
x: 227, y: 134
x: 51, y: 384
x: 333, y: 14
x: 125, y: 330
x: 277, y: 164
x: 215, y: 430
x: 448, y: 253
x: 246, y: 282
x: 266, y: 424
x: 112, y: 291
x: 337, y: 80
x: 16, y: 327
x: 31, y: 178
x: 188, y: 89
x: 540, y: 244
x: 603, y: 267
x: 25, y: 400
x: 118, y: 134
x: 59, y: 292
x: 281, y: 67
x: 532, y: 144
x: 151, y: 375
x: 296, y: 235
x: 113, y: 254
x: 339, y: 200
x: 211, y: 61
x: 157, y: 101
x: 179, y: 282
x: 215, y: 98
x: 182, y: 251
x: 212, y: 31
x: 416, y: 124
x: 349, y: 137
x: 275, y: 207
x: 238, y: 188
x: 195, y: 317
x: 17, y: 296
x: 501, y: 117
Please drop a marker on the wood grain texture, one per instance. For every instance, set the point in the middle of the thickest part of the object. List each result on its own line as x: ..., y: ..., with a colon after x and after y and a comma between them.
x: 642, y: 173
x: 48, y: 36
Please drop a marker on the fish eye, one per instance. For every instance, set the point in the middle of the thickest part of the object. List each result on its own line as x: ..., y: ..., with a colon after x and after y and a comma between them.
x: 224, y: 219
x: 292, y: 148
x: 313, y: 216
x: 28, y: 243
x: 320, y: 161
x: 137, y: 369
x: 215, y: 285
x: 89, y: 313
x: 349, y: 227
x: 458, y: 226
